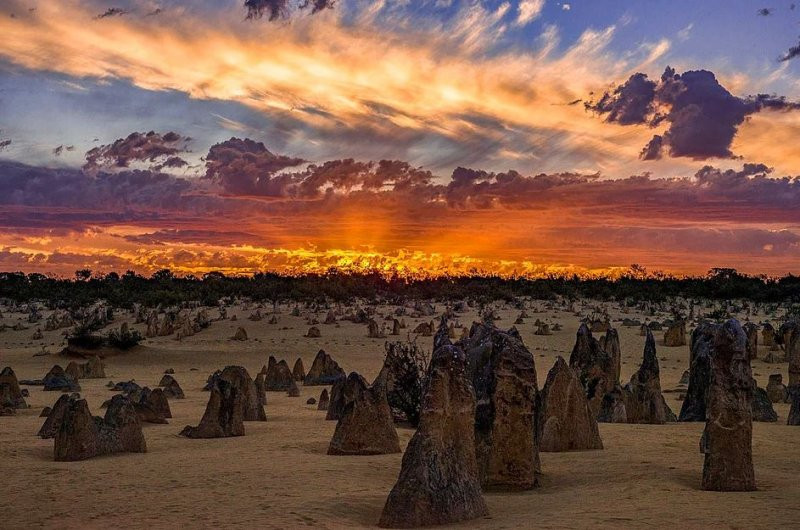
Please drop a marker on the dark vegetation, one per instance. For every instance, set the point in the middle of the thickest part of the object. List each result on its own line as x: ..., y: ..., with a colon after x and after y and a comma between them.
x: 166, y: 289
x: 407, y: 367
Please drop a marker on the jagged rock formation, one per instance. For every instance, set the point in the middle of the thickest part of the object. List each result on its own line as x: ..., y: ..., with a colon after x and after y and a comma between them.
x: 92, y: 369
x: 504, y: 378
x: 565, y: 421
x: 343, y: 392
x: 610, y: 344
x: 789, y: 333
x: 313, y: 333
x: 171, y: 387
x: 11, y: 396
x: 694, y: 404
x: 596, y: 369
x: 700, y: 379
x: 151, y: 406
x: 277, y: 377
x: 224, y: 415
x: 58, y: 380
x: 241, y: 334
x: 324, y: 400
x: 252, y: 401
x: 81, y: 436
x: 727, y: 439
x: 776, y: 390
x: 794, y: 410
x: 53, y: 420
x: 299, y: 371
x: 751, y: 330
x: 761, y: 405
x: 644, y: 402
x: 293, y: 390
x: 675, y: 334
x: 365, y: 426
x: 324, y: 371
x: 612, y: 407
x: 438, y: 482
x: 373, y: 330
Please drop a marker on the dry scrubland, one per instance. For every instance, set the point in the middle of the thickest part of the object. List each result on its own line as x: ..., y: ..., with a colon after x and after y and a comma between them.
x: 279, y: 475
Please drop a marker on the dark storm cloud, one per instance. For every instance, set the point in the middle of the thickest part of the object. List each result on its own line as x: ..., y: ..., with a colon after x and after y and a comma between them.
x: 246, y: 167
x: 112, y: 12
x: 4, y: 144
x: 161, y: 150
x: 702, y: 116
x: 275, y: 9
x: 791, y: 53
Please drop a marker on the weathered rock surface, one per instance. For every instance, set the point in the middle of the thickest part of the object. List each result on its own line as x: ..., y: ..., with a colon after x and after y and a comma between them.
x: 776, y: 390
x: 224, y: 415
x: 278, y: 377
x: 252, y: 401
x: 504, y: 379
x: 366, y: 426
x: 565, y: 421
x: 675, y: 334
x: 171, y: 387
x: 596, y: 369
x: 81, y: 436
x: 794, y: 410
x: 727, y: 439
x: 11, y: 396
x: 58, y: 380
x: 324, y: 371
x: 644, y: 402
x: 299, y: 371
x: 324, y: 400
x: 343, y: 392
x: 789, y: 334
x: 438, y: 482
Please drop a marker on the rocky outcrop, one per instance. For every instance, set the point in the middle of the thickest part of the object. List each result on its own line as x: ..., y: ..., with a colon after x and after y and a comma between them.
x: 595, y: 368
x: 58, y: 380
x: 751, y: 330
x: 299, y: 370
x: 224, y: 415
x: 278, y: 377
x: 612, y: 407
x: 313, y: 333
x: 610, y: 344
x: 727, y: 439
x: 504, y: 379
x: 252, y: 401
x: 644, y: 402
x: 241, y: 334
x: 776, y: 390
x: 761, y: 405
x: 152, y: 406
x: 344, y: 392
x: 11, y: 396
x: 324, y: 371
x: 53, y: 422
x: 92, y: 369
x: 438, y: 482
x: 675, y: 334
x: 694, y: 404
x: 365, y: 426
x: 324, y: 400
x: 81, y: 436
x: 565, y: 421
x: 789, y: 334
x: 171, y: 387
x: 794, y: 409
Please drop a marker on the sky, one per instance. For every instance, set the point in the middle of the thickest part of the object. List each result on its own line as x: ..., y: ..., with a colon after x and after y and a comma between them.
x: 521, y: 137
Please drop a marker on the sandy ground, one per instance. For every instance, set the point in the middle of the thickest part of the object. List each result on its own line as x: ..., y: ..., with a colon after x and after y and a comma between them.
x: 279, y: 476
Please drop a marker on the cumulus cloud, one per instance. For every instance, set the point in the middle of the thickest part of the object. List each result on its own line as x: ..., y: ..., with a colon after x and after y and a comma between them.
x: 246, y: 167
x: 161, y: 150
x: 702, y: 116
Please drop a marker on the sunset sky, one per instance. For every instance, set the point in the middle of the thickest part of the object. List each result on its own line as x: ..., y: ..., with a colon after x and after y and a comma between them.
x: 432, y: 136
